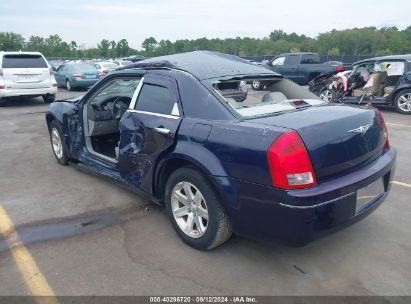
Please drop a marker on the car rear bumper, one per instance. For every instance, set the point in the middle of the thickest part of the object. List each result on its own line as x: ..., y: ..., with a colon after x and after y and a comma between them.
x: 298, y: 217
x: 84, y: 83
x: 27, y: 92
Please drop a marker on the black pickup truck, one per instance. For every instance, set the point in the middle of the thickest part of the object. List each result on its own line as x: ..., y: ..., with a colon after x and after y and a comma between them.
x: 298, y: 67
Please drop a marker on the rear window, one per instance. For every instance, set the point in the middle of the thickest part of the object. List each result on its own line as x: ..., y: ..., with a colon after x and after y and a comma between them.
x: 84, y: 67
x: 23, y: 61
x: 274, y: 95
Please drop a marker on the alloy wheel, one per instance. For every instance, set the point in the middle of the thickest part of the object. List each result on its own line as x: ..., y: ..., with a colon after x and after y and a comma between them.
x: 189, y: 209
x: 56, y: 143
x: 326, y: 95
x: 404, y: 102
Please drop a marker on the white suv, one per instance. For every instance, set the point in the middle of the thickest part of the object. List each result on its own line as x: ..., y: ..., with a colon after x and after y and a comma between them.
x: 26, y: 74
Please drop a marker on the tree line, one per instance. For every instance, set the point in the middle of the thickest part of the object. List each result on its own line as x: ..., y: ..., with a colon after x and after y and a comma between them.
x: 356, y: 41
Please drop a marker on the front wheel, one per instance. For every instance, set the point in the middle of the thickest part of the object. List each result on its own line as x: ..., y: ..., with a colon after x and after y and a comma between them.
x: 57, y: 144
x: 327, y: 95
x: 402, y: 102
x: 195, y: 210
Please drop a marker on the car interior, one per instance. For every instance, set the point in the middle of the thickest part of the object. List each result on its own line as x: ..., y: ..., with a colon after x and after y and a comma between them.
x: 102, y: 115
x: 278, y: 94
x: 378, y: 79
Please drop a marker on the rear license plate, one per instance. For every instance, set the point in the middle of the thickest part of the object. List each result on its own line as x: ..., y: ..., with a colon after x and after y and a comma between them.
x: 90, y: 76
x: 25, y: 77
x: 369, y: 193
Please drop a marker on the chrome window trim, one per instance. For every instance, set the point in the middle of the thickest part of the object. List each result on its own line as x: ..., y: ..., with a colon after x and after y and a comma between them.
x: 317, y: 205
x: 154, y: 114
x: 133, y: 101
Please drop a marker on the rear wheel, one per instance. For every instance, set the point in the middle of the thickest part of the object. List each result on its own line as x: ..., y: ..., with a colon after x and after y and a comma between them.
x: 195, y: 210
x: 49, y: 98
x: 257, y: 85
x: 68, y: 85
x: 402, y: 102
x: 57, y: 144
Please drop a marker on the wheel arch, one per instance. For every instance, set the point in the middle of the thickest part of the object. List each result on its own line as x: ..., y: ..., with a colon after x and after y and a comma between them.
x: 49, y: 118
x: 208, y: 164
x: 397, y: 92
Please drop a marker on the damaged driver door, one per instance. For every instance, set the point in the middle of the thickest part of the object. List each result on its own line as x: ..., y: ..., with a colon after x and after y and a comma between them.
x: 148, y: 129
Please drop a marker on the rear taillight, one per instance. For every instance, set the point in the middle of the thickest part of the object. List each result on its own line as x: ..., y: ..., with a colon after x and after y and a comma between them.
x: 340, y: 68
x: 106, y: 71
x: 101, y: 75
x: 78, y: 75
x: 382, y: 122
x: 290, y: 164
x: 1, y: 87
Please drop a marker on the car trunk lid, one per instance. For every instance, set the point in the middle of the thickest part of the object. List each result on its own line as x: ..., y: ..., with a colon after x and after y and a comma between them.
x: 338, y: 138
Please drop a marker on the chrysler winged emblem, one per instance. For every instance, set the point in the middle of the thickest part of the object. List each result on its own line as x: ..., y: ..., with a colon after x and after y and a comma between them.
x: 360, y: 129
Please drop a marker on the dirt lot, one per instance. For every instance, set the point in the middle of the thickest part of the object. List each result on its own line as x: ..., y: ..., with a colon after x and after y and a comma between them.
x: 85, y: 235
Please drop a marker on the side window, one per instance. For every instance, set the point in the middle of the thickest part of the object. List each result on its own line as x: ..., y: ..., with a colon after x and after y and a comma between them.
x: 121, y: 87
x: 156, y: 99
x: 61, y: 68
x: 278, y: 61
x: 292, y: 60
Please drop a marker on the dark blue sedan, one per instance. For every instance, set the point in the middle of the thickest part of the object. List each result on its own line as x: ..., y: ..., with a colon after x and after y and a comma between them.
x: 280, y: 165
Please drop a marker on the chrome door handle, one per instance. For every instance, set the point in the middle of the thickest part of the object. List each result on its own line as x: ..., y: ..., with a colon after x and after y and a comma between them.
x: 162, y: 130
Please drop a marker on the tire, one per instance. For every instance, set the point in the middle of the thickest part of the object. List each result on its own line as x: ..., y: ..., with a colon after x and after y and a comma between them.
x: 257, y: 85
x: 212, y: 229
x: 57, y: 145
x: 327, y: 95
x: 49, y: 98
x: 68, y: 85
x: 402, y: 102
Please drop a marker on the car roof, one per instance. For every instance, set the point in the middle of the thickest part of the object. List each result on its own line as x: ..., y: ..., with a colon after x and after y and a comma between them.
x: 204, y: 65
x: 406, y: 57
x: 20, y: 53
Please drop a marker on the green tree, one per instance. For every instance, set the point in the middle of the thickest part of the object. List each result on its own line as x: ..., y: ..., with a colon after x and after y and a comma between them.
x: 122, y: 48
x: 103, y: 47
x: 149, y: 44
x: 11, y: 41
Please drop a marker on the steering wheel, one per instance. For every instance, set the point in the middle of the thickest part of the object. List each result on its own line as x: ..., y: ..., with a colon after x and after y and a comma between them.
x: 119, y: 107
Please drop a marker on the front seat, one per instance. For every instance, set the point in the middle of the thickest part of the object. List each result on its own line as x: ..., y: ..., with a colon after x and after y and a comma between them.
x: 274, y: 97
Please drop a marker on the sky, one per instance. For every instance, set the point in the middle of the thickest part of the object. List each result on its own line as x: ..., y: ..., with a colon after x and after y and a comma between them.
x: 89, y: 21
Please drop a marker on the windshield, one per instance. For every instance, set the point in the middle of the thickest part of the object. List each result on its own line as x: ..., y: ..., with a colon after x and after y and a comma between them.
x: 260, y: 97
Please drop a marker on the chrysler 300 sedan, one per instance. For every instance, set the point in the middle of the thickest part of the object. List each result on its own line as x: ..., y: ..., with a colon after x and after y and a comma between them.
x: 280, y: 165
